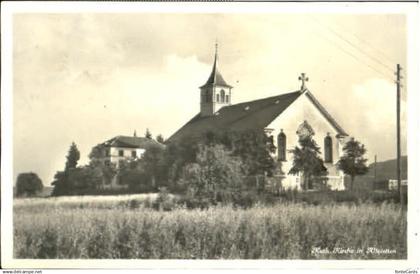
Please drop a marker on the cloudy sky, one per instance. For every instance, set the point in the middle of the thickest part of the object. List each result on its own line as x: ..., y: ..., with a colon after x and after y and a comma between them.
x: 89, y: 77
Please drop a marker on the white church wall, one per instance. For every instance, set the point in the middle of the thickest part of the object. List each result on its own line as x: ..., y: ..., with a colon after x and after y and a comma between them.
x: 303, y: 109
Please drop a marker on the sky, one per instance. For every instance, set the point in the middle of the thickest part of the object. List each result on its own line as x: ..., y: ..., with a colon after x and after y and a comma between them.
x: 86, y: 78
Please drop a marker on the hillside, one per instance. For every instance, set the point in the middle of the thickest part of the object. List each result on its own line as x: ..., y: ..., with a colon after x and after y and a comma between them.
x: 384, y: 171
x: 388, y: 169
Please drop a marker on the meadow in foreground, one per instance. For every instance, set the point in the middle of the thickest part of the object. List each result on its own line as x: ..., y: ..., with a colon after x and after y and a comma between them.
x: 120, y: 228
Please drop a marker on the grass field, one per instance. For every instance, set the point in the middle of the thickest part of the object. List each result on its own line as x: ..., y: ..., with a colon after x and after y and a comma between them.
x: 117, y: 227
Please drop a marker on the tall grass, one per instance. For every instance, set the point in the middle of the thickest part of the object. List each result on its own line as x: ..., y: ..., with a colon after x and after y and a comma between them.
x: 33, y: 205
x: 281, y: 231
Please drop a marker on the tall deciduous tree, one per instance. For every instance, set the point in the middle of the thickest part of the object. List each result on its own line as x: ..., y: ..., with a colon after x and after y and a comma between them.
x: 253, y: 147
x: 134, y: 176
x: 214, y: 177
x: 306, y: 161
x: 28, y: 184
x: 177, y: 155
x: 107, y: 169
x: 352, y: 162
x: 154, y: 163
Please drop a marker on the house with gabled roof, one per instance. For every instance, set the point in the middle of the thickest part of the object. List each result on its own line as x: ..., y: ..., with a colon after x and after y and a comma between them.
x: 122, y: 148
x: 284, y: 117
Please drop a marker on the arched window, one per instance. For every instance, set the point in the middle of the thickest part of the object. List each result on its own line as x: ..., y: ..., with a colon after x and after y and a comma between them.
x: 222, y: 95
x: 281, y: 146
x: 328, y: 157
x: 227, y: 98
x: 217, y: 98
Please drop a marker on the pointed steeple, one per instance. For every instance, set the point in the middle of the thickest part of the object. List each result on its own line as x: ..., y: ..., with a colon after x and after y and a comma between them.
x: 215, y: 93
x: 216, y: 78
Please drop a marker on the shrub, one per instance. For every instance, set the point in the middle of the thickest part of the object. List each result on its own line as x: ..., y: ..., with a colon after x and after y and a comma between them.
x: 289, y: 194
x: 384, y: 196
x: 134, y: 203
x: 164, y: 201
x: 137, y: 180
x: 244, y: 199
x: 191, y: 202
x: 147, y: 203
x: 214, y: 178
x: 345, y: 196
x: 28, y: 184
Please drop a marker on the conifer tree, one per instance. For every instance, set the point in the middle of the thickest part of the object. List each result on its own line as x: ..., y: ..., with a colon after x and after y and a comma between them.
x: 148, y: 135
x: 61, y: 183
x: 160, y: 139
x: 307, y: 162
x: 73, y: 157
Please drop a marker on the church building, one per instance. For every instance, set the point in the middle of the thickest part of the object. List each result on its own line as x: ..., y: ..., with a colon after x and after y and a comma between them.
x: 284, y: 117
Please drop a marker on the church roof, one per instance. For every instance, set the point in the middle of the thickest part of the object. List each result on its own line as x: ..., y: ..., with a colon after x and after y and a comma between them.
x: 254, y: 115
x: 131, y: 142
x: 216, y: 78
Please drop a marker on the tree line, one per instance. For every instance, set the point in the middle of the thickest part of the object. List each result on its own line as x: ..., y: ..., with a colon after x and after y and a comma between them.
x: 205, y: 170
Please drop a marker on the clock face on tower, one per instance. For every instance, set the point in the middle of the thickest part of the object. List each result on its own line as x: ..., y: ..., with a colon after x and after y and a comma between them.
x: 305, y: 130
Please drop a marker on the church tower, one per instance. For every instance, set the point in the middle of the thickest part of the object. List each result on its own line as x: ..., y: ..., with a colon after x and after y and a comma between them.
x: 215, y: 93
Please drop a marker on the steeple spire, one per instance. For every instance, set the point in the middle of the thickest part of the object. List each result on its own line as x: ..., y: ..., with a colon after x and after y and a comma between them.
x: 216, y: 78
x: 215, y: 50
x: 215, y: 93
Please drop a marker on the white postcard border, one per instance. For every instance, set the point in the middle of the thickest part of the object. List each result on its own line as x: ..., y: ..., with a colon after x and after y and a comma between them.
x: 409, y: 9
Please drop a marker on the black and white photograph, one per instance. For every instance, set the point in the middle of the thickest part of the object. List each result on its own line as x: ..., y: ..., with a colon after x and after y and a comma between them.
x: 208, y: 135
